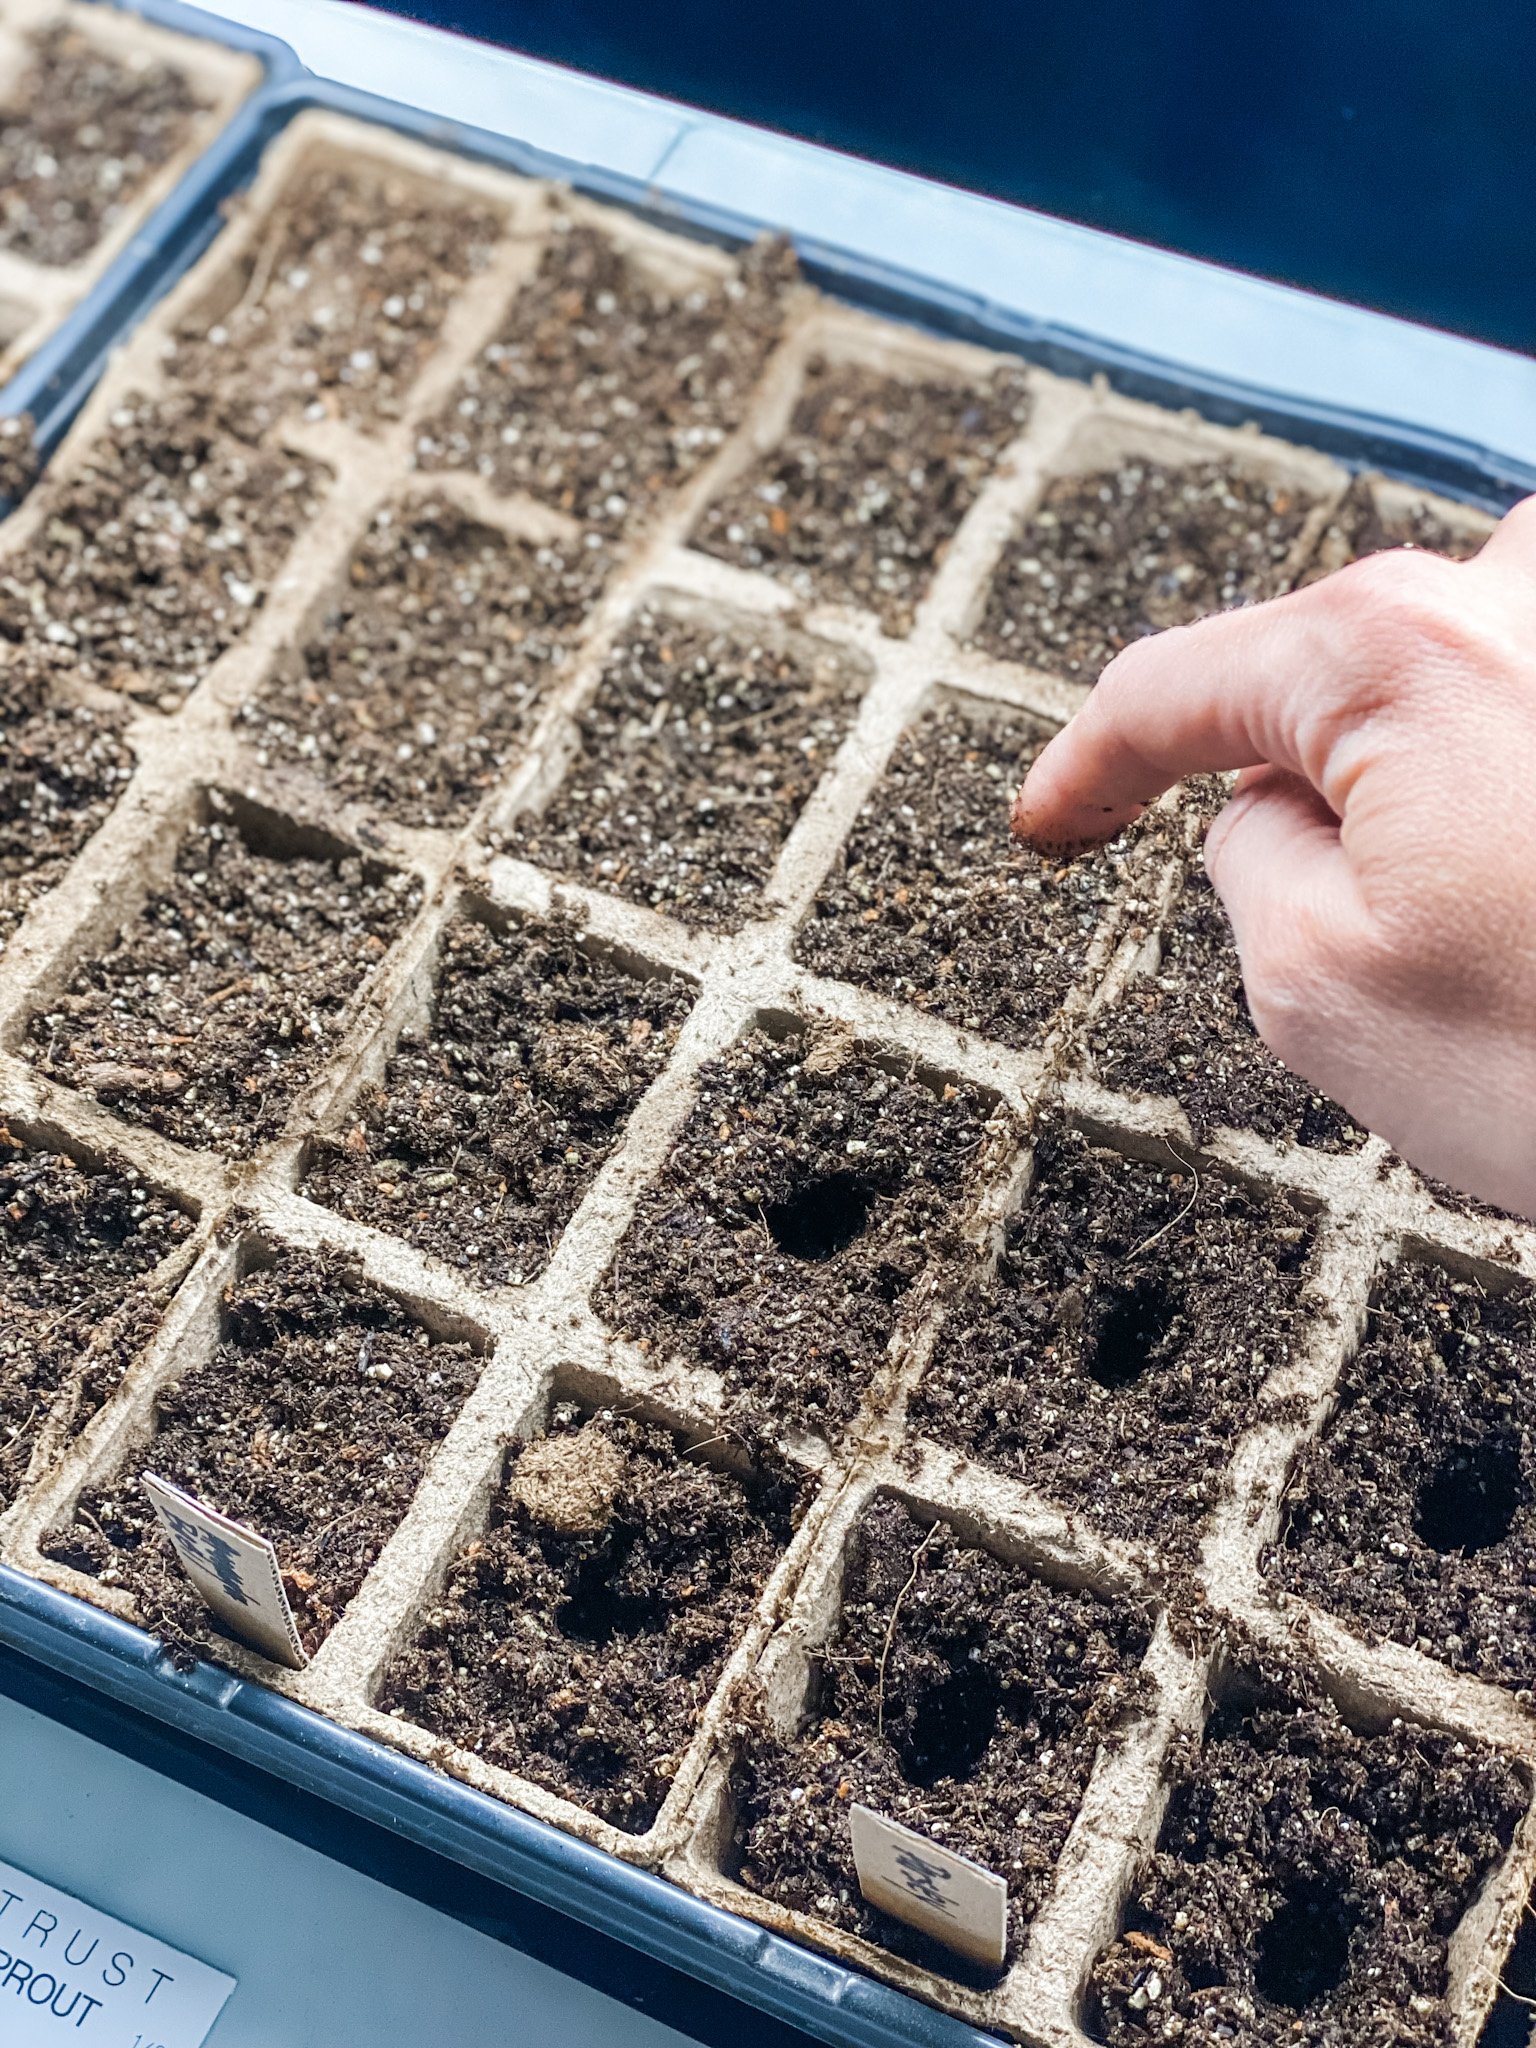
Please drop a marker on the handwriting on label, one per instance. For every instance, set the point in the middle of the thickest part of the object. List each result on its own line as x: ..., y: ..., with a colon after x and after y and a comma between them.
x: 930, y: 1887
x: 235, y: 1571
x: 67, y: 1969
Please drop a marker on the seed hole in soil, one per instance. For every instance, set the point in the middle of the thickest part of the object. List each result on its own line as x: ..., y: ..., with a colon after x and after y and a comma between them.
x: 1134, y: 1327
x: 819, y: 1221
x: 1303, y: 1953
x: 1470, y: 1503
x: 599, y: 1611
x: 951, y: 1727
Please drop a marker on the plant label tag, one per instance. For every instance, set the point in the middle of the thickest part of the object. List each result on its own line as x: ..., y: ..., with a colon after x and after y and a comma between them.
x: 69, y: 1972
x: 914, y: 1879
x: 234, y: 1571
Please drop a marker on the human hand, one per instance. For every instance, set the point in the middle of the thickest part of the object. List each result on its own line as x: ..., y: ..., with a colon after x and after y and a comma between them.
x: 1378, y: 860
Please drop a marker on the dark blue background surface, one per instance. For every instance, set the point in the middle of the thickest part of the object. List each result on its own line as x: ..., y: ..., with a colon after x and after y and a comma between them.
x: 1382, y: 151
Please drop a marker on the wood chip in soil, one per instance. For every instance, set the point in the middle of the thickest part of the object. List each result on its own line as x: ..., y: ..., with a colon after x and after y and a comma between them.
x: 859, y: 502
x: 223, y: 998
x: 83, y: 133
x: 1306, y: 1881
x: 429, y: 664
x: 62, y: 768
x: 579, y: 1638
x: 1109, y: 558
x: 806, y: 1195
x: 313, y: 1423
x: 1113, y: 1359
x: 931, y: 902
x: 1413, y: 1517
x: 1358, y: 528
x: 334, y: 309
x: 79, y: 1291
x: 484, y: 1137
x: 696, y: 756
x: 607, y: 387
x: 958, y: 1696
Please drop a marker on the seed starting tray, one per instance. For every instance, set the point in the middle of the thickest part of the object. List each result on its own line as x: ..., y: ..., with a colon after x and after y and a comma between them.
x: 349, y: 458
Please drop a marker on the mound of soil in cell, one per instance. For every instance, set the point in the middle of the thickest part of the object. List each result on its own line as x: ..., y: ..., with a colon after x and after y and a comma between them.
x: 313, y: 1423
x: 1358, y: 528
x: 76, y: 1250
x: 82, y: 133
x: 1107, y: 559
x: 427, y: 670
x: 1413, y: 1517
x: 1306, y: 1880
x: 1112, y: 1360
x: 805, y: 1195
x: 960, y: 1697
x: 227, y: 993
x: 579, y: 1639
x: 155, y: 553
x: 1185, y: 1031
x: 62, y: 768
x: 485, y: 1136
x: 697, y: 755
x: 859, y: 502
x: 604, y: 388
x: 19, y: 459
x: 337, y: 304
x: 931, y: 901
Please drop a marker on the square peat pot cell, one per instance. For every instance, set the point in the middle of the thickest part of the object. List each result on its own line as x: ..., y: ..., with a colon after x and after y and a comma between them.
x: 496, y: 1110
x: 815, y: 1183
x: 90, y: 1255
x: 930, y: 901
x: 1412, y: 1517
x: 569, y: 1656
x: 927, y: 1673
x: 299, y: 1399
x: 1317, y: 1881
x: 1113, y: 1356
x: 223, y: 997
x: 690, y: 762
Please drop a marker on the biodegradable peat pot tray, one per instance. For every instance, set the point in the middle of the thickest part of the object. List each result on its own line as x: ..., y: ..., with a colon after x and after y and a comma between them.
x: 533, y: 1074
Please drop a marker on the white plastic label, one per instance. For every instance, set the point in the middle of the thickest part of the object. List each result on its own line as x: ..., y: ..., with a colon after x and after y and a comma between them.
x: 234, y: 1571
x: 914, y: 1879
x: 71, y: 1973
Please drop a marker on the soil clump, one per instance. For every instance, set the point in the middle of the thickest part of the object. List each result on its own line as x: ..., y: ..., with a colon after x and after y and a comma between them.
x: 697, y: 755
x: 960, y: 1697
x: 224, y: 997
x: 313, y: 1423
x: 1113, y: 1359
x: 1306, y: 1880
x: 62, y: 769
x: 1107, y: 559
x: 484, y: 1137
x: 859, y: 502
x: 579, y: 1639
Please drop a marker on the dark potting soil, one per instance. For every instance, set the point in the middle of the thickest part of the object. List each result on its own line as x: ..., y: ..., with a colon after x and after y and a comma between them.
x: 1185, y: 1031
x: 76, y: 1249
x: 806, y: 1194
x: 603, y: 389
x: 313, y: 1423
x: 1413, y: 1517
x: 1109, y: 558
x: 62, y: 768
x: 335, y: 308
x: 227, y: 993
x: 19, y: 459
x: 155, y: 554
x: 931, y: 901
x: 1357, y: 528
x: 697, y: 755
x: 484, y: 1137
x: 428, y: 669
x: 1113, y: 1359
x: 579, y: 1639
x: 859, y: 502
x: 83, y: 132
x: 1306, y: 1881
x: 960, y: 1697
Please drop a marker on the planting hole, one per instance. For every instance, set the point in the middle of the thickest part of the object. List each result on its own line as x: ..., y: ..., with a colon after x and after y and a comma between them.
x: 821, y: 1219
x: 1134, y: 1325
x: 1470, y: 1502
x: 1304, y: 1951
x: 949, y: 1728
x: 598, y: 1609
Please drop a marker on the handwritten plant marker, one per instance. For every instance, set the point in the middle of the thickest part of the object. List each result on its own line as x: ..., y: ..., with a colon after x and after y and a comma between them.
x: 235, y: 1572
x: 930, y: 1887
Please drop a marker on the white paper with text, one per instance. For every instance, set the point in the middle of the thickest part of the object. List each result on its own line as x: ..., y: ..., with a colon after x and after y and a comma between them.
x: 930, y: 1887
x: 235, y: 1572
